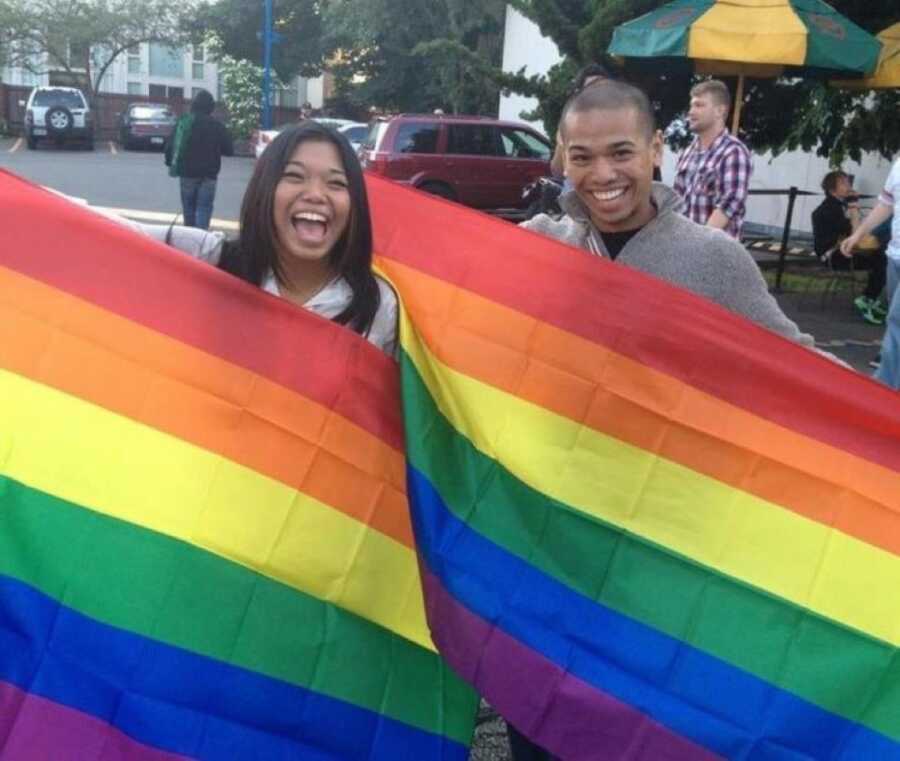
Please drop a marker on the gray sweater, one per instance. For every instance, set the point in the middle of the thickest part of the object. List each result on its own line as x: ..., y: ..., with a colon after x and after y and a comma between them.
x: 673, y: 248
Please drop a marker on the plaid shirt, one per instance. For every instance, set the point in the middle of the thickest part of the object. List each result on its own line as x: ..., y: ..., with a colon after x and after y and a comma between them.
x: 717, y: 178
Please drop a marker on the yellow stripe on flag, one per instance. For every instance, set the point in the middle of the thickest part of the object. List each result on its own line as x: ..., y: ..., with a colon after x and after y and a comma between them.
x: 736, y: 533
x: 87, y: 455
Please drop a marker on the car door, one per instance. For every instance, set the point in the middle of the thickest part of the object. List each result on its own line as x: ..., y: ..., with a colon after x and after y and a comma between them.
x: 526, y: 157
x: 473, y: 160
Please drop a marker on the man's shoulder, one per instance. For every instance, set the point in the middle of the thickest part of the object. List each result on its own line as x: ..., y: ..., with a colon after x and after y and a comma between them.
x: 702, y: 241
x: 563, y: 228
x: 735, y: 145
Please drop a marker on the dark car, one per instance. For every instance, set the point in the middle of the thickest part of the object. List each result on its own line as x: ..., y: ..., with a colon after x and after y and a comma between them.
x: 480, y: 162
x: 145, y: 124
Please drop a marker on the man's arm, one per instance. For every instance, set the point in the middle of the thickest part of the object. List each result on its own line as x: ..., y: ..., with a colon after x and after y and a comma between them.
x: 878, y: 215
x: 732, y: 186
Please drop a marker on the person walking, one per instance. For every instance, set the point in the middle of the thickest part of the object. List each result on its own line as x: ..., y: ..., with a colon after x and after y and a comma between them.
x: 194, y: 155
x: 713, y: 174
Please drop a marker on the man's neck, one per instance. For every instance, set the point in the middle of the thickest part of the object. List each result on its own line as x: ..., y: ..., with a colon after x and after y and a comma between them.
x: 708, y: 137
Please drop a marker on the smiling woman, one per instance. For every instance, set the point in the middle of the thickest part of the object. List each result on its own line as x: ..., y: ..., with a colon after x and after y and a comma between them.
x: 305, y: 234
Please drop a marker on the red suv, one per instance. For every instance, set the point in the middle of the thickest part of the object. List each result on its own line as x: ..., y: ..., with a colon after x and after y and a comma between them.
x: 478, y: 161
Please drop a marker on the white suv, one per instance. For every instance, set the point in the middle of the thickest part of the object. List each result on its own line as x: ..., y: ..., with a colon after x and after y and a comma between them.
x: 60, y: 114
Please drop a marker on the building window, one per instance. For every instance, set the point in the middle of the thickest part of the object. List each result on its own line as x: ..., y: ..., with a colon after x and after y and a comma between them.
x: 135, y: 88
x: 166, y: 61
x: 134, y: 60
x: 197, y: 63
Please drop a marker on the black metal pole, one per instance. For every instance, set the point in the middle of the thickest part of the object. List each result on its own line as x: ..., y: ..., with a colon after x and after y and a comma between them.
x: 792, y: 196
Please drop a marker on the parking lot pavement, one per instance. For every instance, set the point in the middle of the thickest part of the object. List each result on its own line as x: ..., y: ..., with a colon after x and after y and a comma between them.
x: 112, y: 177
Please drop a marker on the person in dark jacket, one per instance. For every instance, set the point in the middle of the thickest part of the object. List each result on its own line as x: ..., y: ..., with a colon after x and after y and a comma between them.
x: 194, y: 154
x: 835, y: 219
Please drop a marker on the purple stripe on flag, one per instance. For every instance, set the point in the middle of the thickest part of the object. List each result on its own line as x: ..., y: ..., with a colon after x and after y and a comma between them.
x: 579, y: 719
x: 33, y: 728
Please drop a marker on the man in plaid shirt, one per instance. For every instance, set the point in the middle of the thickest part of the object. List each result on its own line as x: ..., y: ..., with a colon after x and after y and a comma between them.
x: 713, y: 174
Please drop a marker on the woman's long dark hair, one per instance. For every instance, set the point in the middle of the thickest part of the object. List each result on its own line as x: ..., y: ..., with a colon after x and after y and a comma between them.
x: 253, y: 254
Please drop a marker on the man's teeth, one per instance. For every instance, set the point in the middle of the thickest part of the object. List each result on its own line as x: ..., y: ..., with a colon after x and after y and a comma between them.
x: 608, y: 195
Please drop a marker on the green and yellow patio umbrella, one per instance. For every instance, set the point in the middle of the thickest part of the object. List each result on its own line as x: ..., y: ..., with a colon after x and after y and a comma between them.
x: 887, y: 73
x: 750, y: 38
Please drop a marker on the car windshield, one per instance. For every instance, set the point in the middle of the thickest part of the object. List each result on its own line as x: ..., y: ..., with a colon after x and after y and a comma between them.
x: 151, y: 112
x: 356, y: 134
x: 67, y: 98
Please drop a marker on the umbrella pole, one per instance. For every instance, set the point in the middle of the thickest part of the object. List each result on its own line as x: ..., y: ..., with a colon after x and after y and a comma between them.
x: 738, y: 105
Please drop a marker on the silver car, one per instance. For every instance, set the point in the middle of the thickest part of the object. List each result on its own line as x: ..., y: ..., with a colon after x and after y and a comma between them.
x: 60, y: 114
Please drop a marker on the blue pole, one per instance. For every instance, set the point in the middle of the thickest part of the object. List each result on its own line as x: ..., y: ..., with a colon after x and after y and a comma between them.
x: 267, y: 68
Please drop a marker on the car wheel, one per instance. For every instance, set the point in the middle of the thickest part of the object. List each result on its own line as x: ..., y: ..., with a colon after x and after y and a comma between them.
x: 439, y: 189
x: 59, y: 121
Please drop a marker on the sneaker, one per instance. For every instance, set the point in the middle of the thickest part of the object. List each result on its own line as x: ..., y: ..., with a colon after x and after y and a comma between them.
x: 862, y: 303
x: 870, y: 317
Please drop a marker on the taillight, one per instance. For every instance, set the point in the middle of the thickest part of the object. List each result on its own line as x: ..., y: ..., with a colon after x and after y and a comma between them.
x: 266, y: 137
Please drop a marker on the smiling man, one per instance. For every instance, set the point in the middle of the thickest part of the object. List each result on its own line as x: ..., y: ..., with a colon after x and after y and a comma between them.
x: 615, y: 210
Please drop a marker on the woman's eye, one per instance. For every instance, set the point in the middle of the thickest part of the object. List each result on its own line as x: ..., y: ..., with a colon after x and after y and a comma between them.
x: 623, y: 155
x: 293, y: 176
x: 338, y: 185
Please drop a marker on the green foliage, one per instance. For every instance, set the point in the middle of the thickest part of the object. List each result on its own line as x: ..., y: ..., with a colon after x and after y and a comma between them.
x: 778, y: 115
x: 238, y: 24
x: 241, y: 88
x: 416, y: 55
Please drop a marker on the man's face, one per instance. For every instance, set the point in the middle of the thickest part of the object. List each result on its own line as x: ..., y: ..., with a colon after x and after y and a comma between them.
x: 609, y: 159
x: 842, y: 187
x: 705, y: 113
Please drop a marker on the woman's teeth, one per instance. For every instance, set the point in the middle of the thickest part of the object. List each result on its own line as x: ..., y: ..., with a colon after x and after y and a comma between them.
x: 608, y: 195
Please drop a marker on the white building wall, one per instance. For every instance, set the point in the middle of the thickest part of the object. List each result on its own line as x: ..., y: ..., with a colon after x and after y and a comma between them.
x: 118, y: 77
x: 524, y: 45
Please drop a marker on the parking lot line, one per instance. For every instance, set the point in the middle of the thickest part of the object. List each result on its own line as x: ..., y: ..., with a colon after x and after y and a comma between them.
x: 163, y: 218
x: 16, y: 145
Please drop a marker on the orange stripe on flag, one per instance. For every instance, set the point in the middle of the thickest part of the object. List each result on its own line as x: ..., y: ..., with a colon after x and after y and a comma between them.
x: 615, y: 395
x: 46, y: 335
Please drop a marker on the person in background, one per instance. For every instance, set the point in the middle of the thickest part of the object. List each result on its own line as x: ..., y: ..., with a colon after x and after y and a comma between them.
x: 832, y: 221
x: 713, y: 173
x: 194, y: 154
x: 888, y: 204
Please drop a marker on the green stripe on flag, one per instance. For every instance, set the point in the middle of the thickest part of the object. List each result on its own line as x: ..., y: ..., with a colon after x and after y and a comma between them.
x: 826, y: 663
x: 158, y: 587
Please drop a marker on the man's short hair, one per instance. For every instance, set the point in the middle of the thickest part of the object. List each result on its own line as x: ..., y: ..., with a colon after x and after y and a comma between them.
x: 611, y: 95
x: 715, y: 89
x: 830, y: 180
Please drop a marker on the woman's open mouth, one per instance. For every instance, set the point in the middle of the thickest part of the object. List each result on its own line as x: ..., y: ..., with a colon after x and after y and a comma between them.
x: 310, y: 226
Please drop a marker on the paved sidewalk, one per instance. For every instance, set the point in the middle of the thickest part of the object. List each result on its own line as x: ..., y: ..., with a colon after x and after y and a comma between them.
x: 837, y: 327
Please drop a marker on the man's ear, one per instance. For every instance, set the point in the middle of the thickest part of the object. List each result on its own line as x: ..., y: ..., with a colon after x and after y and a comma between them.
x: 657, y: 144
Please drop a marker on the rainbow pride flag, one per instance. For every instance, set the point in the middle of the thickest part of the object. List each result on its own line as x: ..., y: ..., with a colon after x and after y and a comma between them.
x: 205, y: 545
x: 649, y: 529
x: 646, y: 528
